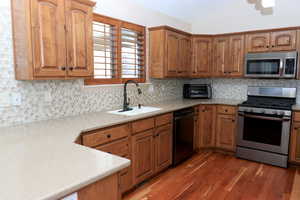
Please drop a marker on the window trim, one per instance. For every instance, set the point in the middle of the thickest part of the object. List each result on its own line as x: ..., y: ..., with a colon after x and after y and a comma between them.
x: 119, y: 25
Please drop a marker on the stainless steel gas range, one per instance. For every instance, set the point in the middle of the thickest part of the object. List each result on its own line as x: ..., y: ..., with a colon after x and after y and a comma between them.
x: 264, y: 122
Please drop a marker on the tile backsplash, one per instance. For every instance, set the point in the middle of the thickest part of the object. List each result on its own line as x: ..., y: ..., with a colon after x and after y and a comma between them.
x: 237, y: 88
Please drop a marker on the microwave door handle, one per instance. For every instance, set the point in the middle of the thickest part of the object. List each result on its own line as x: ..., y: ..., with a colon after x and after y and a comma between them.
x: 281, y: 69
x: 263, y: 117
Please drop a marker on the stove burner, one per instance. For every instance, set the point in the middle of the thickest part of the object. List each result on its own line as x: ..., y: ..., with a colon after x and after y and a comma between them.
x: 269, y: 102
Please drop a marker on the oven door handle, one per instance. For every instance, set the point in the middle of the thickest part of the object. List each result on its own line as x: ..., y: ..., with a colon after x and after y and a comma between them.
x: 264, y: 117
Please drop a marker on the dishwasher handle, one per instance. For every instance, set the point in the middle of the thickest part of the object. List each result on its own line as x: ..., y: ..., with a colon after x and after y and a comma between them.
x: 184, y: 116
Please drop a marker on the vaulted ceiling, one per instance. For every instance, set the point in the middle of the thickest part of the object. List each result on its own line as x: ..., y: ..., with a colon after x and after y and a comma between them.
x: 214, y: 16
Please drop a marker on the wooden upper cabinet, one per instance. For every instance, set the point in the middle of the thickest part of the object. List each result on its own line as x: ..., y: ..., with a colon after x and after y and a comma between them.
x: 173, y: 60
x: 272, y: 41
x: 202, y: 57
x: 184, y: 55
x: 221, y: 55
x: 52, y: 39
x: 170, y: 52
x: 258, y: 42
x: 283, y: 40
x: 48, y: 38
x: 79, y: 41
x: 237, y: 55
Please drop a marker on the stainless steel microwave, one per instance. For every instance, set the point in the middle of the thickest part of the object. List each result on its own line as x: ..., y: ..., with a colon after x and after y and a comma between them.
x: 271, y: 65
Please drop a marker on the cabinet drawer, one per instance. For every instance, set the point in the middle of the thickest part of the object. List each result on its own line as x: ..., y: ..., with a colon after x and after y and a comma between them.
x: 143, y: 125
x: 164, y: 119
x: 297, y: 116
x: 95, y: 138
x: 229, y: 110
x: 119, y: 148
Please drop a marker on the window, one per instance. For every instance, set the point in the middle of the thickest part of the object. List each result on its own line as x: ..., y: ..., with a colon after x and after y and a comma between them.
x: 119, y: 51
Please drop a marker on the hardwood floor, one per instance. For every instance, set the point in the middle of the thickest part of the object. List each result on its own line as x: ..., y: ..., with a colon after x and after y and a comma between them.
x: 215, y: 176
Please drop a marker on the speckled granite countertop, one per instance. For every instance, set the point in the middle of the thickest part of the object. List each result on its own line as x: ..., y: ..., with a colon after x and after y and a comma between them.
x: 41, y: 161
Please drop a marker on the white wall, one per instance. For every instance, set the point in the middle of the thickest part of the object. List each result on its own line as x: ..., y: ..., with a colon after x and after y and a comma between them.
x: 221, y: 16
x: 131, y: 11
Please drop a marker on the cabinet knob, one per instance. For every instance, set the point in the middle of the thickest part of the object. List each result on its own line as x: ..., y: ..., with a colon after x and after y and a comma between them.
x: 108, y: 136
x: 71, y: 68
x: 233, y: 120
x: 63, y: 68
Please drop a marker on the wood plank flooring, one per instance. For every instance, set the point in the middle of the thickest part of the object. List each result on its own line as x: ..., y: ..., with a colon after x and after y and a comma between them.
x: 215, y: 176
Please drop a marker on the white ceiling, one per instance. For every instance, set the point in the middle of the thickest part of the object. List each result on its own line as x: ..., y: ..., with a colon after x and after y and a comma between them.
x: 183, y: 9
x: 219, y: 16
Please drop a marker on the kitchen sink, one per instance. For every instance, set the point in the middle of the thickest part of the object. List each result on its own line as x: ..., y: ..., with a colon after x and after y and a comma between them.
x: 135, y: 111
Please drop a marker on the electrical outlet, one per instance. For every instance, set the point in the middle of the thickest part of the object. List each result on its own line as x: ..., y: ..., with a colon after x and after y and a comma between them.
x: 4, y: 99
x: 151, y: 89
x: 16, y: 99
x: 71, y: 197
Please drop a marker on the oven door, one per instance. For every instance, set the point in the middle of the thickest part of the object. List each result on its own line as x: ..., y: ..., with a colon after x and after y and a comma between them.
x: 264, y: 132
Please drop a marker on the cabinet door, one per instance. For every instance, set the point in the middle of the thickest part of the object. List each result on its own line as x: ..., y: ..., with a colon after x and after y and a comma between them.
x: 221, y: 54
x: 295, y: 143
x: 185, y: 55
x: 258, y: 42
x: 283, y: 40
x: 226, y: 127
x: 163, y: 147
x: 237, y: 53
x: 79, y: 39
x: 48, y: 35
x: 143, y: 156
x: 172, y: 54
x: 207, y: 126
x: 202, y: 57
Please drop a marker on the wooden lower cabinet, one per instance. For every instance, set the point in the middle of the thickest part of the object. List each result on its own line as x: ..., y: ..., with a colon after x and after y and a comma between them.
x: 163, y: 147
x: 106, y: 189
x: 216, y: 127
x: 295, y: 143
x: 143, y: 155
x: 206, y: 126
x: 225, y: 133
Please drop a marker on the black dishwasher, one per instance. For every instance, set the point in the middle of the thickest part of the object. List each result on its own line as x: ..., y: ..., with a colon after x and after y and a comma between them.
x: 183, y: 135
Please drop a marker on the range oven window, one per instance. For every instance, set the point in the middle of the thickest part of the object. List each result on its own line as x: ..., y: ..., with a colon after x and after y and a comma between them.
x: 262, y: 131
x: 263, y: 67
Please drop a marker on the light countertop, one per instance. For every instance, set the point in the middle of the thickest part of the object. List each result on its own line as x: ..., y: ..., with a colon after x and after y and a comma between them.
x: 41, y: 161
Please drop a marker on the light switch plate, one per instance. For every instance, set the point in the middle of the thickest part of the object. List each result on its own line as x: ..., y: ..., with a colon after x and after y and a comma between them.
x: 73, y: 196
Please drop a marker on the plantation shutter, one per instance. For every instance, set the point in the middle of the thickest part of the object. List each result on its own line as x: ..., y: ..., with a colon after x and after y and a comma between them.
x: 119, y: 51
x: 132, y: 52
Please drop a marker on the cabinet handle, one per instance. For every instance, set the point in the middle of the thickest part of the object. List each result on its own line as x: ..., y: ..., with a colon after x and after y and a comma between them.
x: 63, y: 68
x: 108, y: 136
